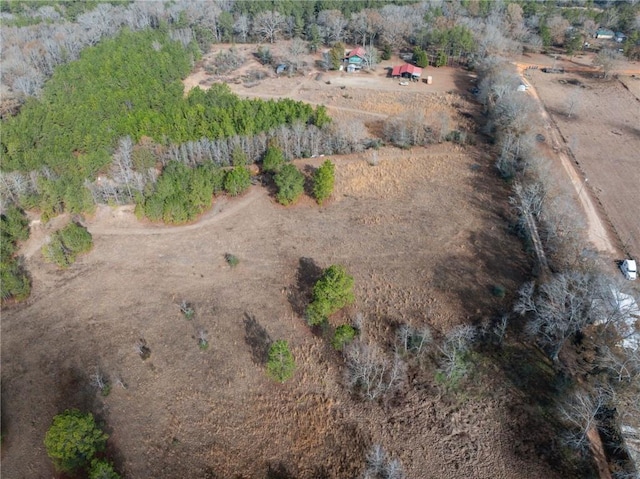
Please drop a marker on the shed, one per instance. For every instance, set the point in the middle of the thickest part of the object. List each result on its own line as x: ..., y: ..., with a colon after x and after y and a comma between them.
x: 356, y: 56
x: 604, y: 33
x: 407, y: 71
x: 620, y: 37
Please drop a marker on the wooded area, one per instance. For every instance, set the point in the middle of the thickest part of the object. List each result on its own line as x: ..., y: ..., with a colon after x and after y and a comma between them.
x: 128, y: 86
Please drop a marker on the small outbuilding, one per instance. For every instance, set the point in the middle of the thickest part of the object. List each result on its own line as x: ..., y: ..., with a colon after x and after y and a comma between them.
x: 407, y: 71
x: 604, y: 34
x: 620, y: 37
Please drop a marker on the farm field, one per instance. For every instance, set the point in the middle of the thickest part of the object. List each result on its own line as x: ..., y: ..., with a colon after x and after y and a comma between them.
x: 426, y: 235
x: 602, y: 133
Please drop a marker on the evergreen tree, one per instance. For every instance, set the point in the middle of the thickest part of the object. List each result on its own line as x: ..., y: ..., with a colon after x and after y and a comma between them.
x: 290, y: 183
x: 323, y: 182
x: 237, y: 180
x: 273, y: 160
x: 73, y: 440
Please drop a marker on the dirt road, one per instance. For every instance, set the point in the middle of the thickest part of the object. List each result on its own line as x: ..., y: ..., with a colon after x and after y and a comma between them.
x: 597, y: 231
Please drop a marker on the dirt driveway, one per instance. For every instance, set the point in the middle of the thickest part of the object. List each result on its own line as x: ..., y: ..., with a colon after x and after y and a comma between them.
x: 600, y: 141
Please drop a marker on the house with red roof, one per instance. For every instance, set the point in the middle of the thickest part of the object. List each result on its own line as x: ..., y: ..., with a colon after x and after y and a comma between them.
x: 407, y: 71
x: 356, y: 56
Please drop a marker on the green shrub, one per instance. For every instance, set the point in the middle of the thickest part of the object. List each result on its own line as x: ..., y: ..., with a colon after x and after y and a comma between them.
x: 232, y: 260
x: 66, y: 244
x: 442, y: 59
x: 323, y: 181
x: 498, y: 291
x: 280, y: 364
x: 237, y: 180
x: 14, y: 281
x: 333, y: 291
x: 73, y: 440
x: 290, y: 183
x: 102, y: 469
x: 344, y: 335
x: 273, y: 160
x: 187, y: 310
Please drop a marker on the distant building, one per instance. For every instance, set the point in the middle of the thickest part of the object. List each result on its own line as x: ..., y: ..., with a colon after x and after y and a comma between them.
x: 356, y: 57
x: 407, y: 71
x: 604, y: 33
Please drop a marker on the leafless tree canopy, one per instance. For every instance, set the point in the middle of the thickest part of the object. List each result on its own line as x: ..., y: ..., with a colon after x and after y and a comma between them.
x: 370, y: 372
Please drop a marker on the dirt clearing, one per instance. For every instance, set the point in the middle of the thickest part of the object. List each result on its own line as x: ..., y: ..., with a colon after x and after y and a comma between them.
x: 425, y: 234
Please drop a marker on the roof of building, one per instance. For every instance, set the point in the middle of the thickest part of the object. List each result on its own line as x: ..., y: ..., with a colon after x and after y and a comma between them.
x: 406, y: 68
x: 604, y: 31
x: 358, y: 52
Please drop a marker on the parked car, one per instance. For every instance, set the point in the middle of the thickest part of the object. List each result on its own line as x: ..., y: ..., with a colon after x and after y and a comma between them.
x: 630, y: 269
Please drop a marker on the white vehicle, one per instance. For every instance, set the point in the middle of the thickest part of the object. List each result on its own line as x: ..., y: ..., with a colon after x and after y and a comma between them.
x: 629, y: 269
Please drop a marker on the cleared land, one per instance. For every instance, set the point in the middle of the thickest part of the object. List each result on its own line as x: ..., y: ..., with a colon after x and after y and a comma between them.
x: 599, y: 123
x: 424, y: 233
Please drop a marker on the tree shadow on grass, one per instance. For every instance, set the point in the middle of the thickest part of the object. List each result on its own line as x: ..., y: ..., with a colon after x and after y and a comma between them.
x: 257, y: 339
x: 301, y: 293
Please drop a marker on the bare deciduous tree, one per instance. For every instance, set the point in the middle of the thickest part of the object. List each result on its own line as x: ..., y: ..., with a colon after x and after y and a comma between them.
x: 580, y: 414
x: 413, y: 340
x: 241, y: 27
x: 380, y: 466
x: 297, y: 48
x: 573, y: 101
x: 370, y: 372
x: 562, y: 306
x: 558, y: 27
x: 454, y: 350
x: 608, y: 60
x: 332, y: 25
x: 623, y: 363
x: 268, y: 25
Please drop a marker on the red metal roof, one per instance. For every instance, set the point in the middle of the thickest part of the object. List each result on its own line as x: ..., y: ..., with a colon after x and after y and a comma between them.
x: 358, y: 52
x: 406, y: 68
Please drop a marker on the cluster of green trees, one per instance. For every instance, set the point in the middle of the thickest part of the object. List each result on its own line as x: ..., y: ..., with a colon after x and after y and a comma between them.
x: 72, y: 442
x: 288, y: 179
x: 126, y: 86
x: 14, y: 281
x: 182, y: 193
x: 332, y: 292
x: 66, y: 244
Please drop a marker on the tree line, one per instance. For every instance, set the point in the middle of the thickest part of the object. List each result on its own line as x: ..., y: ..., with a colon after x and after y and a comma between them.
x: 37, y: 37
x: 572, y: 303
